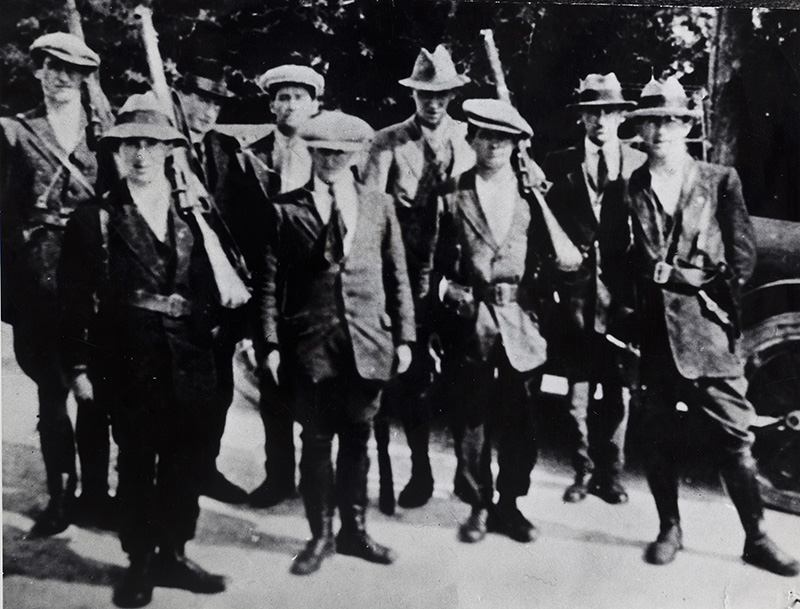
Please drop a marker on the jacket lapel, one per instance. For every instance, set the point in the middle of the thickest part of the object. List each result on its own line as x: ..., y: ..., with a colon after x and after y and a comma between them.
x: 412, y: 153
x: 184, y: 241
x: 132, y: 228
x: 470, y: 209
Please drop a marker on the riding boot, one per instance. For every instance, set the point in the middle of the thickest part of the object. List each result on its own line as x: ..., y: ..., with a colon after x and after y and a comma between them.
x: 58, y: 452
x: 386, y: 500
x: 353, y: 539
x: 662, y: 478
x: 759, y: 549
x: 319, y: 511
x: 420, y: 487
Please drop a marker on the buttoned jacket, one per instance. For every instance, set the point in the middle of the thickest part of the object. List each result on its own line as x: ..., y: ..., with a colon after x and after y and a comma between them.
x: 304, y: 300
x: 604, y: 242
x: 468, y: 254
x: 714, y: 232
x: 37, y: 194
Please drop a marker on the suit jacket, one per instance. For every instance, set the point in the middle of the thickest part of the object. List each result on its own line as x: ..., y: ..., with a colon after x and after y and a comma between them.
x: 128, y: 350
x: 37, y: 195
x: 468, y: 254
x: 714, y: 229
x: 306, y: 302
x: 588, y: 305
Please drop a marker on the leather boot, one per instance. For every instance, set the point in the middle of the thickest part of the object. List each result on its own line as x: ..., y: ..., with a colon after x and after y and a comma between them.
x: 663, y: 481
x: 506, y: 518
x: 759, y: 550
x: 578, y: 490
x: 473, y: 529
x: 136, y: 587
x: 353, y: 539
x: 57, y: 516
x: 386, y: 500
x: 420, y: 487
x: 319, y: 547
x: 173, y: 570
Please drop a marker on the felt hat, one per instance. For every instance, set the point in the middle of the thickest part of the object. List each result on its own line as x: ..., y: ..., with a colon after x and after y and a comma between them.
x: 667, y: 98
x: 142, y: 116
x: 434, y: 72
x: 601, y: 91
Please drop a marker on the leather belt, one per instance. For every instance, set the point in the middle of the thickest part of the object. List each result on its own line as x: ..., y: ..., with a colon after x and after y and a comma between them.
x: 499, y: 294
x: 173, y: 305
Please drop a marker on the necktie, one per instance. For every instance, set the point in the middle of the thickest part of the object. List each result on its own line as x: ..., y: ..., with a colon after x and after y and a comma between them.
x: 198, y: 151
x: 337, y: 230
x: 602, y: 171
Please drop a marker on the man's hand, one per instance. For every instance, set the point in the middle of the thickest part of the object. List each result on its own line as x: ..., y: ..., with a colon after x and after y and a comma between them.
x: 273, y: 364
x: 82, y: 388
x: 403, y: 354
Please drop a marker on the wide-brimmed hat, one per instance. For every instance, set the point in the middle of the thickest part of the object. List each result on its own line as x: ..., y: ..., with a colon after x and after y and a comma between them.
x: 496, y: 115
x: 68, y: 48
x: 205, y: 87
x: 601, y: 91
x: 292, y: 74
x: 143, y: 116
x: 336, y: 130
x: 667, y: 98
x: 434, y: 72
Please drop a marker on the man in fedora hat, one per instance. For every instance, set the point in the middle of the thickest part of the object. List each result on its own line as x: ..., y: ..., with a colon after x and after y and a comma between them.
x: 410, y: 161
x: 278, y: 163
x: 694, y: 250
x: 336, y: 320
x: 137, y: 296
x: 491, y: 247
x: 48, y: 171
x: 587, y: 198
x: 214, y: 158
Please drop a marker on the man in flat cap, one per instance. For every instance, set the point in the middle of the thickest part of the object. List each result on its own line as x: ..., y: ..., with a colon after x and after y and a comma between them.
x: 214, y: 158
x: 491, y: 246
x: 410, y: 161
x: 336, y: 321
x: 280, y: 162
x: 694, y: 250
x: 587, y: 198
x: 137, y: 298
x: 48, y: 171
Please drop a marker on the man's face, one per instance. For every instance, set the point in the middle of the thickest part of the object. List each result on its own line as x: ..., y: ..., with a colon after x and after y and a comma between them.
x: 663, y: 135
x: 201, y: 112
x: 602, y: 124
x: 292, y: 106
x: 61, y: 81
x: 432, y: 105
x: 328, y: 163
x: 141, y: 160
x: 492, y: 148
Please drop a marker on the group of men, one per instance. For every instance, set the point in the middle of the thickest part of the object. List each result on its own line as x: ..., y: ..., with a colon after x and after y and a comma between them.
x: 433, y: 254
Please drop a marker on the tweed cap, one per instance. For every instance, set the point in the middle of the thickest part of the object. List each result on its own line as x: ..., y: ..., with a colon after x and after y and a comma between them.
x: 292, y: 74
x: 434, y: 72
x: 667, y: 98
x: 496, y: 115
x: 337, y: 131
x: 142, y: 116
x: 68, y: 48
x: 601, y: 91
x: 205, y: 87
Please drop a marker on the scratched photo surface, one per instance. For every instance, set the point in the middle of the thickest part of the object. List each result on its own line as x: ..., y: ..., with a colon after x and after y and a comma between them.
x: 521, y: 268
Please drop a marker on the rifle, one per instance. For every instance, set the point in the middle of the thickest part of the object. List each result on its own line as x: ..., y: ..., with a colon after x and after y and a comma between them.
x: 95, y: 103
x: 230, y: 271
x: 532, y: 180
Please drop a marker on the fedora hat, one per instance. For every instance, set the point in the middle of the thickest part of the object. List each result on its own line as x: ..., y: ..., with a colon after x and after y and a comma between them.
x: 142, y: 116
x: 667, y: 98
x: 601, y: 91
x: 434, y: 72
x: 205, y: 87
x: 496, y: 115
x: 336, y: 130
x: 68, y: 48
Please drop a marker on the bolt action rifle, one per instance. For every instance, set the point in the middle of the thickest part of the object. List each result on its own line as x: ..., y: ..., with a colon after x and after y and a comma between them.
x: 532, y: 180
x: 192, y: 197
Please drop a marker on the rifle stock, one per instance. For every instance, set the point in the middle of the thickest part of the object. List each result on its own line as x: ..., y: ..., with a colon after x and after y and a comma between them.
x: 532, y: 179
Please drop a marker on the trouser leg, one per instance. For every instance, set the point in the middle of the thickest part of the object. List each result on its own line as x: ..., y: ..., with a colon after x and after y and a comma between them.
x: 579, y: 396
x: 278, y: 442
x: 94, y: 447
x: 57, y: 440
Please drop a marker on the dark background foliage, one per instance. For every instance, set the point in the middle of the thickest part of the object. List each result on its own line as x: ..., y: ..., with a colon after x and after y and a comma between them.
x: 363, y: 47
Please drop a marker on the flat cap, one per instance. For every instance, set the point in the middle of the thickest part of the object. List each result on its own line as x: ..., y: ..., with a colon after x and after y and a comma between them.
x: 142, y: 116
x: 496, y: 115
x: 290, y: 74
x: 337, y: 131
x: 666, y: 98
x: 68, y: 48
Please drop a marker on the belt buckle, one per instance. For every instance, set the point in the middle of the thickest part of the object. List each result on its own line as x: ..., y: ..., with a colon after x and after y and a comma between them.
x: 502, y: 293
x: 174, y: 305
x: 662, y: 272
